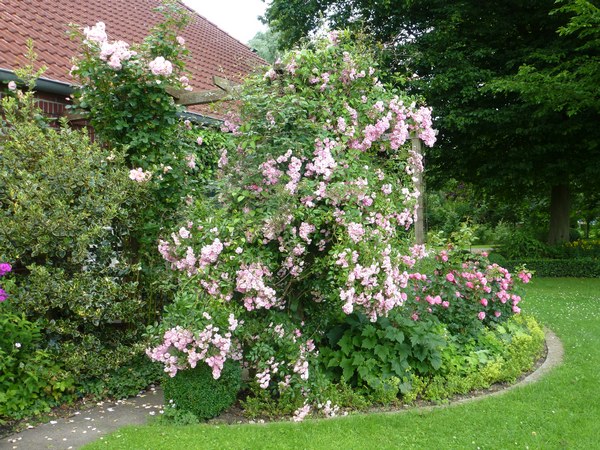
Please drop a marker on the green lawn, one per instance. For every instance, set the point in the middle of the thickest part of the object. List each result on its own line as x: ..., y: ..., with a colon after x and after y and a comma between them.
x: 562, y: 410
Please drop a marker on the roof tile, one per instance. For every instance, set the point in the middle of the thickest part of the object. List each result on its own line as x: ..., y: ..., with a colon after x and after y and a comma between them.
x: 212, y: 51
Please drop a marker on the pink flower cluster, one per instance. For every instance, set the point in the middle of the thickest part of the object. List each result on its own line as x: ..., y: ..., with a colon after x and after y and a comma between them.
x: 301, y: 413
x: 181, y: 349
x: 323, y: 162
x: 139, y: 175
x: 356, y: 231
x: 328, y: 409
x: 189, y: 263
x: 270, y: 172
x: 524, y: 276
x: 487, y: 292
x: 377, y: 288
x: 250, y: 281
x: 264, y: 377
x: 161, y: 66
x: 115, y: 53
x: 305, y: 230
x: 97, y: 33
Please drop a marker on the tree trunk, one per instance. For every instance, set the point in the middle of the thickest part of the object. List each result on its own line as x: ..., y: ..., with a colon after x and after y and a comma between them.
x: 560, y: 208
x: 587, y: 227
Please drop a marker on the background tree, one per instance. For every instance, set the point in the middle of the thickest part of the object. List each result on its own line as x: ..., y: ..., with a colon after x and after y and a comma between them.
x: 482, y: 67
x: 266, y: 45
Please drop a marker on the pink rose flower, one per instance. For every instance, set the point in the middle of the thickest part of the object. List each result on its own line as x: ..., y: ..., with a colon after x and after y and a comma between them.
x: 161, y: 66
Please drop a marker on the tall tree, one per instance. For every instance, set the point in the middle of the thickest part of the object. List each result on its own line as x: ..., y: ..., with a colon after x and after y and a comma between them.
x: 466, y: 57
x: 266, y: 45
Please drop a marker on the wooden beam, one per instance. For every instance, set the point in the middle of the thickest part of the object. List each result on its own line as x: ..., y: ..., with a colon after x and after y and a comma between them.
x: 73, y: 117
x: 187, y: 98
x: 224, y: 83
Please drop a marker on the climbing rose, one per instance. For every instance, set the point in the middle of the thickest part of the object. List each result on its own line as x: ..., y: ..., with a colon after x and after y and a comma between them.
x: 161, y: 66
x: 139, y: 175
x: 97, y: 33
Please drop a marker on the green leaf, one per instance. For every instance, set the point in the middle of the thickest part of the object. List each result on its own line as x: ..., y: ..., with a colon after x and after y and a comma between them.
x: 382, y: 352
x: 358, y: 359
x: 346, y: 344
x: 348, y: 369
x: 369, y: 342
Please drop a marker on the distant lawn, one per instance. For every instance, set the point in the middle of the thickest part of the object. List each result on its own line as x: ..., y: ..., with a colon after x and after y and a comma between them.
x: 561, y: 411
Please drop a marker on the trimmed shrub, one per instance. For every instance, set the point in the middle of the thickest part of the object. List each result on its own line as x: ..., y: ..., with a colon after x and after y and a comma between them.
x: 576, y: 267
x: 196, y: 391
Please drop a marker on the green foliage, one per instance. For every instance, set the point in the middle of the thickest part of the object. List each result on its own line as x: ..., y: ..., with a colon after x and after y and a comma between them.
x: 174, y: 416
x: 262, y: 404
x: 558, y: 411
x: 197, y: 392
x: 499, y: 355
x: 132, y: 108
x: 371, y: 355
x: 67, y: 208
x: 520, y: 243
x: 31, y: 379
x: 453, y: 204
x: 310, y: 178
x: 266, y: 45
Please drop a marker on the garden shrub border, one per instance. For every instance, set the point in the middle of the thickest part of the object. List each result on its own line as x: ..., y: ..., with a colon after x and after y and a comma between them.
x: 576, y: 267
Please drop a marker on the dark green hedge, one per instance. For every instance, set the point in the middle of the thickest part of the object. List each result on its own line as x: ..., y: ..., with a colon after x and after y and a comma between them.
x: 576, y: 267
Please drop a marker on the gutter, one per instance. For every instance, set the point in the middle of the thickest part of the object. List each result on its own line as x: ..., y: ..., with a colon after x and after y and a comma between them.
x: 65, y: 89
x: 41, y: 84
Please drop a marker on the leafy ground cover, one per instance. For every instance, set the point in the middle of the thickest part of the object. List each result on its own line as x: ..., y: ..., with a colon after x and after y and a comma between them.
x: 556, y: 412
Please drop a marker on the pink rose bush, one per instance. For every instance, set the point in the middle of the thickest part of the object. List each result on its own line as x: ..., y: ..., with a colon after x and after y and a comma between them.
x: 312, y: 209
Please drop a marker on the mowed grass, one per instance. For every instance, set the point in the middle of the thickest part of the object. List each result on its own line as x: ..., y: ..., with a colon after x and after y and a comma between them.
x: 561, y: 411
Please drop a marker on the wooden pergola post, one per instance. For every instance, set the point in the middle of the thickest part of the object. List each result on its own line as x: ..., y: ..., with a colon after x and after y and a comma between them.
x: 417, y: 147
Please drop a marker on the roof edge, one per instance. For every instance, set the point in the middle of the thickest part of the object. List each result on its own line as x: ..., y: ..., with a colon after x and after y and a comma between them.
x: 42, y: 84
x: 61, y: 88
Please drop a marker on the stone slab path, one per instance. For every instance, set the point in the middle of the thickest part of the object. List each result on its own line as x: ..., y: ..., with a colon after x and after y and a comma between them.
x: 104, y: 418
x: 89, y: 425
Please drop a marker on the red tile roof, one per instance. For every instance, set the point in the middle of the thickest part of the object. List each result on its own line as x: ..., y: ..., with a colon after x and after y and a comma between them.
x: 213, y: 51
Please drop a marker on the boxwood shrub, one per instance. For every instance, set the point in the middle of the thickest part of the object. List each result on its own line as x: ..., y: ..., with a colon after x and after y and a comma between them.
x: 197, y: 392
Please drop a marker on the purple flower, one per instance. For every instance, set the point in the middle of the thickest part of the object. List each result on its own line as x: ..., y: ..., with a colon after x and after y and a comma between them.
x: 4, y: 269
x: 3, y: 295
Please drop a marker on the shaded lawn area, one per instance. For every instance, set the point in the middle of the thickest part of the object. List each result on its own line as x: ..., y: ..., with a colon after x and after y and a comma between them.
x: 562, y: 410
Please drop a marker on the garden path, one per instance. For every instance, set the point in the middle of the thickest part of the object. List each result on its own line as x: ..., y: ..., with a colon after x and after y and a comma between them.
x: 88, y: 425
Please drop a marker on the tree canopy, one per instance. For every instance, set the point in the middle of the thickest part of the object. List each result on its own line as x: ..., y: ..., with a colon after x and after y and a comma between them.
x: 266, y: 45
x: 513, y: 85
